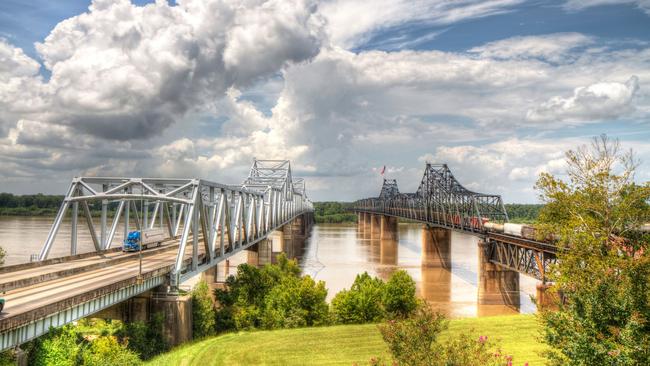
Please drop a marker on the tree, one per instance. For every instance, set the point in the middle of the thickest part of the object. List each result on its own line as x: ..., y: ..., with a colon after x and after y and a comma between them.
x: 203, y: 314
x: 362, y: 303
x: 399, y: 295
x: 2, y: 256
x: 603, y: 268
x: 60, y: 347
x: 107, y: 351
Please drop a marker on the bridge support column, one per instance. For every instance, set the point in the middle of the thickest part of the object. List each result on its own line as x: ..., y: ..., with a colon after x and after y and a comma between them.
x: 388, y: 225
x: 546, y: 298
x: 252, y: 255
x: 388, y: 252
x: 367, y: 226
x: 264, y: 253
x: 436, y: 267
x: 375, y: 226
x: 497, y: 285
x: 436, y: 247
x: 177, y: 315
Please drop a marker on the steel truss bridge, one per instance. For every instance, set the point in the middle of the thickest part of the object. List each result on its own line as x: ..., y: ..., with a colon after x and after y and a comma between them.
x: 205, y: 222
x: 441, y: 201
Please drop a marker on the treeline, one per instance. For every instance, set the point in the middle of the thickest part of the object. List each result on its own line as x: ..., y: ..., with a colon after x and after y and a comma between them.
x: 523, y: 213
x: 29, y: 204
x: 333, y: 212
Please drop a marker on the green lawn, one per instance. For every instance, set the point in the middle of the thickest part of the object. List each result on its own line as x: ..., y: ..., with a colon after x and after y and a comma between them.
x: 343, y: 344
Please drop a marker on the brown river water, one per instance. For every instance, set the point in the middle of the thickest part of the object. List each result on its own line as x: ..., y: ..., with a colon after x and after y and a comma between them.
x: 334, y: 253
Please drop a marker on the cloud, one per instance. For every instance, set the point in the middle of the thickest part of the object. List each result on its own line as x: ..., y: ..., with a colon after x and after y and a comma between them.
x: 123, y: 72
x: 573, y: 5
x: 352, y: 22
x: 604, y: 100
x: 551, y: 47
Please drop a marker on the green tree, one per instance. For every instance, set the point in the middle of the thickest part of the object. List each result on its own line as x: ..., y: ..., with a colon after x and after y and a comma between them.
x: 296, y: 302
x: 107, y: 351
x: 60, y: 347
x: 362, y: 303
x: 603, y: 270
x: 399, y: 295
x: 203, y: 313
x: 145, y: 338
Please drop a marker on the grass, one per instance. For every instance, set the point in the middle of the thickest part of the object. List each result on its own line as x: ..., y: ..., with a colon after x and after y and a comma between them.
x: 343, y: 344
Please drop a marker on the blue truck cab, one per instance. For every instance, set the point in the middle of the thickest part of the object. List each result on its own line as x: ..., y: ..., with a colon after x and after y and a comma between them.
x: 132, y: 242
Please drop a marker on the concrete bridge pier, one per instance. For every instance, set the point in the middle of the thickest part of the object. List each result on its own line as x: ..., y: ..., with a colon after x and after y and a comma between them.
x: 367, y: 226
x: 361, y: 220
x: 388, y: 252
x: 497, y: 285
x: 436, y: 247
x: 388, y: 228
x: 375, y: 226
x: 177, y: 315
x: 176, y: 310
x: 436, y: 266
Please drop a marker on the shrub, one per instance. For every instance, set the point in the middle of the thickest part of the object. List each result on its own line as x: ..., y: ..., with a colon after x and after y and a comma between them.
x: 362, y: 303
x: 145, y: 339
x: 3, y: 254
x: 203, y: 314
x: 107, y: 351
x: 274, y: 296
x: 60, y: 347
x: 399, y: 295
x: 411, y: 341
x: 296, y: 302
x: 414, y: 342
x: 7, y: 358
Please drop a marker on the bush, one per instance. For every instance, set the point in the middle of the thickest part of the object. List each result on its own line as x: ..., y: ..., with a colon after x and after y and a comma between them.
x: 399, y: 295
x: 3, y: 254
x: 60, y: 347
x: 296, y: 302
x: 362, y: 303
x: 203, y: 314
x: 107, y: 351
x: 371, y: 300
x: 272, y: 297
x: 145, y: 339
x: 414, y: 342
x: 411, y: 341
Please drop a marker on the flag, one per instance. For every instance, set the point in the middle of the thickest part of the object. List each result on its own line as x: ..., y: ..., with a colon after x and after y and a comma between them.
x: 383, y: 170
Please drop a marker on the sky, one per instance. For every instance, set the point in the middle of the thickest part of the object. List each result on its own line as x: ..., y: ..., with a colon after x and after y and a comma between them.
x: 496, y: 89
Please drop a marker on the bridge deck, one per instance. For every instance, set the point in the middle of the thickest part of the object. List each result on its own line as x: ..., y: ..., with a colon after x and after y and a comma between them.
x: 69, y: 283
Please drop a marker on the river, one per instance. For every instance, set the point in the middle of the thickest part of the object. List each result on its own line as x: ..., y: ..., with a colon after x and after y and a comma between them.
x: 334, y: 253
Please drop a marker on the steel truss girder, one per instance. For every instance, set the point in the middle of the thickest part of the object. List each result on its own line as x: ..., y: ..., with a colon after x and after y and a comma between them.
x: 529, y: 260
x: 220, y: 218
x: 440, y: 200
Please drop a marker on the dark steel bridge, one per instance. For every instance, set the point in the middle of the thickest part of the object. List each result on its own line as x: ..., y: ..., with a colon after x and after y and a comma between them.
x: 442, y: 202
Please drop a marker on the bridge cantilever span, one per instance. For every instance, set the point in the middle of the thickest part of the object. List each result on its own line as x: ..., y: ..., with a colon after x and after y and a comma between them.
x: 204, y: 223
x: 442, y: 202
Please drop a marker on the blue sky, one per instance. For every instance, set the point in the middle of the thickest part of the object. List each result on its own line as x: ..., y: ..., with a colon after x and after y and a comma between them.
x: 497, y: 89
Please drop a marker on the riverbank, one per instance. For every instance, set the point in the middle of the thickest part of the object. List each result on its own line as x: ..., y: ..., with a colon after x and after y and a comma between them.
x: 344, y: 344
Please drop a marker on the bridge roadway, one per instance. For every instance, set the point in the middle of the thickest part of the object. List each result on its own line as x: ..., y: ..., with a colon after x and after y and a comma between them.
x: 73, y: 287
